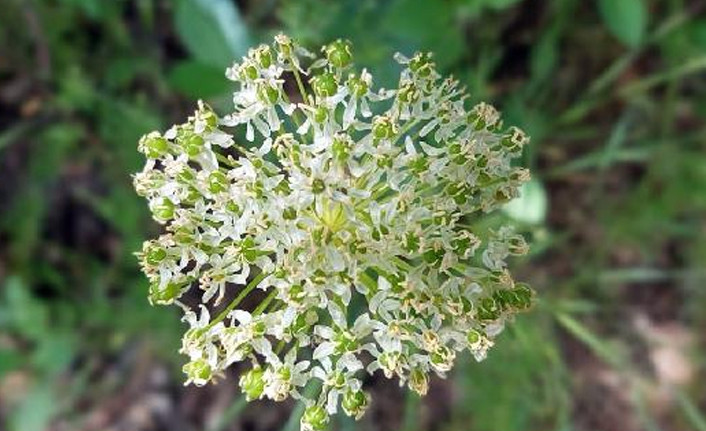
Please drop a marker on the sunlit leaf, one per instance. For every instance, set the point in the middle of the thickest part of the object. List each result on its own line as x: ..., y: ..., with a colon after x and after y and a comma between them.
x: 626, y: 19
x: 198, y: 80
x: 212, y: 30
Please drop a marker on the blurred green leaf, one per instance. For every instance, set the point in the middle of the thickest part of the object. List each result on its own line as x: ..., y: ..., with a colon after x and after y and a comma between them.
x: 54, y: 353
x: 691, y: 411
x: 28, y: 316
x: 626, y: 19
x: 544, y: 56
x: 475, y: 7
x: 198, y: 80
x: 698, y: 33
x: 35, y: 411
x: 92, y: 8
x: 10, y: 360
x: 527, y: 355
x: 122, y: 122
x: 602, y: 348
x: 531, y: 206
x: 212, y: 30
x: 427, y: 26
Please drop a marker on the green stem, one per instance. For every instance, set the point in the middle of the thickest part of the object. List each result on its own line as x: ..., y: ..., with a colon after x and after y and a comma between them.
x: 238, y: 299
x: 300, y: 83
x: 265, y: 302
x: 223, y: 159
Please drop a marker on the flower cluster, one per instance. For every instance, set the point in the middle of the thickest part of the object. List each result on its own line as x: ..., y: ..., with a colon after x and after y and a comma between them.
x: 345, y: 216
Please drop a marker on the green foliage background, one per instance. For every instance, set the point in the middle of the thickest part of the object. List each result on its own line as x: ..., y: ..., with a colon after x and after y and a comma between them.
x: 613, y: 93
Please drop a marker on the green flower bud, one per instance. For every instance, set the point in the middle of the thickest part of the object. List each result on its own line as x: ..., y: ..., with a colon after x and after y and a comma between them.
x: 355, y: 403
x: 419, y: 165
x: 320, y: 114
x: 315, y: 418
x: 357, y: 86
x: 289, y: 213
x: 154, y: 255
x: 384, y: 127
x: 338, y: 380
x: 268, y: 94
x: 296, y: 293
x: 285, y: 45
x: 250, y: 71
x: 422, y: 65
x: 318, y: 186
x: 164, y: 296
x: 442, y: 360
x: 263, y: 56
x: 523, y: 296
x: 163, y: 210
x: 153, y: 145
x: 198, y: 371
x: 419, y: 381
x: 217, y: 182
x: 259, y: 329
x: 341, y: 148
x: 473, y: 337
x: 247, y: 248
x: 390, y: 362
x: 339, y: 53
x: 233, y: 207
x: 183, y: 236
x: 345, y: 342
x: 488, y: 309
x: 324, y: 85
x: 193, y: 144
x: 408, y: 92
x: 252, y: 383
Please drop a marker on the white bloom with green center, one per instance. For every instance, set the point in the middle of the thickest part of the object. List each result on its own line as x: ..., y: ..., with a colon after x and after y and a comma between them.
x: 344, y: 230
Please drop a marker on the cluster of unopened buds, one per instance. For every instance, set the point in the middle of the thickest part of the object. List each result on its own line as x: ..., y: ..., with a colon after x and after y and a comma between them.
x: 345, y: 217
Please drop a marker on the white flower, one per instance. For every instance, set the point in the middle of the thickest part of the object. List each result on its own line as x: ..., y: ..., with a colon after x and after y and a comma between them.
x: 332, y: 206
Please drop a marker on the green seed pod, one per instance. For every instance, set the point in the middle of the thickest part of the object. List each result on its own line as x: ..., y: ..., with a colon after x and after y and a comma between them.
x: 315, y: 418
x: 284, y: 45
x: 384, y: 127
x: 355, y: 403
x: 318, y: 186
x: 341, y: 148
x: 268, y: 94
x: 263, y: 56
x: 408, y: 92
x: 422, y: 65
x: 357, y: 86
x: 339, y: 53
x: 163, y: 210
x: 166, y: 295
x: 419, y: 381
x: 320, y: 114
x: 324, y: 85
x: 250, y: 71
x: 289, y: 213
x: 154, y: 254
x: 474, y: 337
x: 153, y: 145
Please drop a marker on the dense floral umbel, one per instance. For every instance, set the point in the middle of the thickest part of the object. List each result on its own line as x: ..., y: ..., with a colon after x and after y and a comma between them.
x: 349, y: 210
